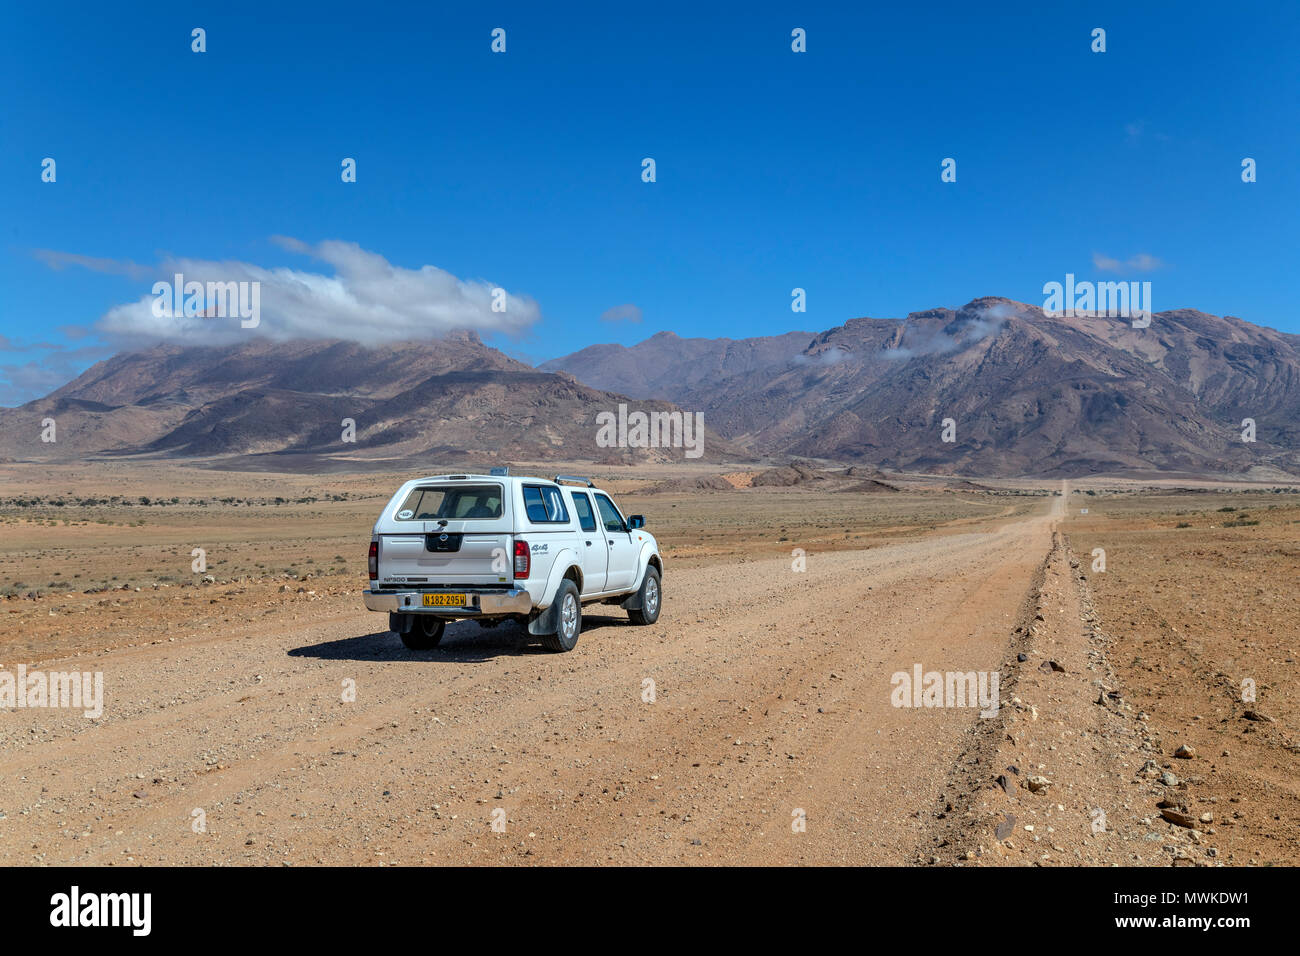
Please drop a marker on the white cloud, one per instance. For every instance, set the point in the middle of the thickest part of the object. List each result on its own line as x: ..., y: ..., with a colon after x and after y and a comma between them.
x: 1142, y: 262
x: 622, y: 313
x: 831, y: 356
x: 365, y: 299
x: 984, y: 322
x: 59, y: 261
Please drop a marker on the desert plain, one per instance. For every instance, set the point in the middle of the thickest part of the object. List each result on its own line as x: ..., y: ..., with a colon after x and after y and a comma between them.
x: 1142, y: 632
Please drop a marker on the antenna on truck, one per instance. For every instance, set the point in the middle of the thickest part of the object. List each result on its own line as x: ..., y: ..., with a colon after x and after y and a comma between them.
x: 574, y: 479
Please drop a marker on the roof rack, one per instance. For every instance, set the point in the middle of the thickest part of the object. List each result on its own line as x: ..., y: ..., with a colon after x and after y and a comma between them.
x: 574, y: 478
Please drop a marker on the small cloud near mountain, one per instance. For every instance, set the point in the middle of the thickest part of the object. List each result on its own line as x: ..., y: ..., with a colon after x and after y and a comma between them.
x: 1142, y: 262
x: 622, y: 313
x: 978, y: 324
x: 831, y: 356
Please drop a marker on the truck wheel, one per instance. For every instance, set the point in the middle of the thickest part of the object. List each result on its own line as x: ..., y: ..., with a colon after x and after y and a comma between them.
x: 651, y: 595
x: 423, y: 633
x: 568, y: 619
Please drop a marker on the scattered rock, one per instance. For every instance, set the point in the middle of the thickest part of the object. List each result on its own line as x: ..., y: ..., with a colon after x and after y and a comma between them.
x: 1179, y: 817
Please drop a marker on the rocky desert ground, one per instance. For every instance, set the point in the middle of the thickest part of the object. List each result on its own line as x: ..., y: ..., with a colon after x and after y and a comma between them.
x: 1142, y: 633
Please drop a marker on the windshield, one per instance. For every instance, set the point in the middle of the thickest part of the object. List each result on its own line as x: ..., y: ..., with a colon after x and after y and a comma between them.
x: 456, y: 501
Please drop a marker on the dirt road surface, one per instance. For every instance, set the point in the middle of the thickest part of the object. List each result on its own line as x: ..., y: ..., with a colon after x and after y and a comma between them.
x: 771, y: 705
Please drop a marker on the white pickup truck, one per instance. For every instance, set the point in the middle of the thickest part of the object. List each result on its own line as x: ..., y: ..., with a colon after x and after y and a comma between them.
x: 504, y: 547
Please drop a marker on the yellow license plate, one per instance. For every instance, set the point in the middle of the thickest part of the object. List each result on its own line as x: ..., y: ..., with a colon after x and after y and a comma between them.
x: 444, y: 600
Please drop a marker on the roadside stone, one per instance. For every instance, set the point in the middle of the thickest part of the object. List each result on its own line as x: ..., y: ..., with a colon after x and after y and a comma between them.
x: 1179, y: 818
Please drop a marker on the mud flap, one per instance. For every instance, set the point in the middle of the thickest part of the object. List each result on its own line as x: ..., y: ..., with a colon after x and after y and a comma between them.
x: 633, y: 601
x: 547, y: 622
x: 400, y: 623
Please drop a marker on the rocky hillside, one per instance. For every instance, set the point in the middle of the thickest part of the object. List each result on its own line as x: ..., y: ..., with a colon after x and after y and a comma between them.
x: 287, y: 402
x: 1027, y: 394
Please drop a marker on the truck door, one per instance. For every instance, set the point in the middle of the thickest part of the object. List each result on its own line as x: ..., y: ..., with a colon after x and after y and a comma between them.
x: 592, y: 548
x: 621, y: 572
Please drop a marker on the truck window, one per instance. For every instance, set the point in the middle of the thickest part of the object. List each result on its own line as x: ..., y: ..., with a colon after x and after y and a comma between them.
x: 545, y: 505
x: 609, y: 514
x: 582, y: 505
x: 459, y: 501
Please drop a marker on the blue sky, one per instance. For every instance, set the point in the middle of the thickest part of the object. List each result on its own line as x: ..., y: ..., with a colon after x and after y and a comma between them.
x: 775, y: 170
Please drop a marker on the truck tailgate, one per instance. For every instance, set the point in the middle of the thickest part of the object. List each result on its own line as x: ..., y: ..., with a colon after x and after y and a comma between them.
x: 445, y: 558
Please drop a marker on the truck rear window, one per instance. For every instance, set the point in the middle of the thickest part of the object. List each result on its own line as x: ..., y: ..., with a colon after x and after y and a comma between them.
x: 458, y: 502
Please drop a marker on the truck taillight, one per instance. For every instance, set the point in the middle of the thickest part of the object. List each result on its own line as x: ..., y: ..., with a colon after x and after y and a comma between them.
x: 521, y: 559
x: 374, y: 560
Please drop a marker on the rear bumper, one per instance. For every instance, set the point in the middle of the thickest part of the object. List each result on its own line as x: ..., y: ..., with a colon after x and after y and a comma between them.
x: 481, y: 603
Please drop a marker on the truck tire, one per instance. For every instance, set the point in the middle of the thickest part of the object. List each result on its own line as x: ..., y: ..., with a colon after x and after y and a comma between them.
x: 651, y: 598
x: 568, y: 619
x: 423, y: 631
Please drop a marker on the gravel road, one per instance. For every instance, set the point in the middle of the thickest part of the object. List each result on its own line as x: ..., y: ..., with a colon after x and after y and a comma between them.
x: 769, y: 737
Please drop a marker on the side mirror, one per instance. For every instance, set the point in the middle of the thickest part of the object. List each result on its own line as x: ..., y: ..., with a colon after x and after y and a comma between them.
x: 635, y: 521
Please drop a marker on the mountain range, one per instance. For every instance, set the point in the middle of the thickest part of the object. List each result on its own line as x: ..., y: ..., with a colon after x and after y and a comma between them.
x: 1017, y: 391
x: 289, y: 404
x: 1027, y: 393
